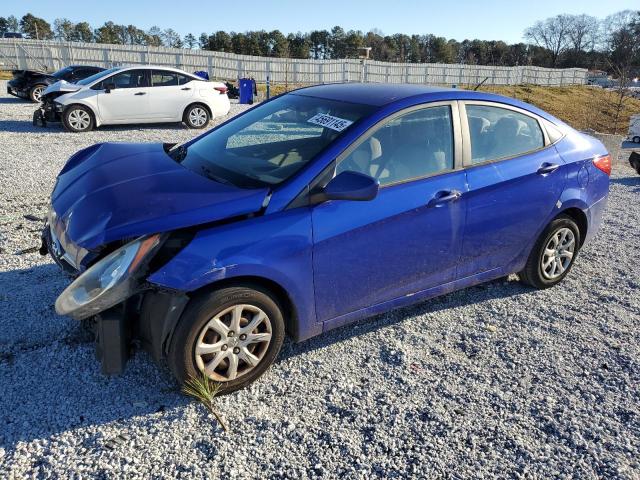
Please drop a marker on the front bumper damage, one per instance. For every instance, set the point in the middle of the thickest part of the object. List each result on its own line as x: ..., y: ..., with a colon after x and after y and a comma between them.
x: 146, y: 318
x: 47, y: 112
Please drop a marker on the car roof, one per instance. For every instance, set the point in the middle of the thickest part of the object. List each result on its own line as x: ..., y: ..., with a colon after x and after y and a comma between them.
x: 156, y: 67
x: 383, y: 94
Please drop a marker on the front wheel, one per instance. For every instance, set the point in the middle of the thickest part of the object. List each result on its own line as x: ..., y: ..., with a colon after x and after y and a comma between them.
x: 78, y: 118
x: 232, y: 336
x: 553, y: 254
x: 196, y: 116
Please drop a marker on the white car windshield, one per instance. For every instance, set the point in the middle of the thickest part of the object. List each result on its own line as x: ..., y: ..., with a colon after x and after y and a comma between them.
x: 97, y: 76
x: 271, y: 142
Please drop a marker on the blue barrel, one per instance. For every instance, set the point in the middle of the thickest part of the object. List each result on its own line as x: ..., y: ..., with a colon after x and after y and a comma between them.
x: 246, y: 90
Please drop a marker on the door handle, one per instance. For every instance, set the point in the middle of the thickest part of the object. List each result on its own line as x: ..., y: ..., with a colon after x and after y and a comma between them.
x: 547, y: 168
x: 444, y: 196
x: 186, y: 88
x: 140, y: 93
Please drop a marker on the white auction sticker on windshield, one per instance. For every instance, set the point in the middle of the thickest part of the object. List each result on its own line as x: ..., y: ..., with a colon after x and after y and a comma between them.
x: 329, y: 121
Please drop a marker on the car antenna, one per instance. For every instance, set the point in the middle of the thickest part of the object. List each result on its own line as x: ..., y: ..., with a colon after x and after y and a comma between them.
x: 480, y: 84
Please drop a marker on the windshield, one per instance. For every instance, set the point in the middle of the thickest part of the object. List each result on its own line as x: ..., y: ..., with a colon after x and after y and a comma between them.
x: 96, y: 76
x: 271, y: 142
x: 62, y: 72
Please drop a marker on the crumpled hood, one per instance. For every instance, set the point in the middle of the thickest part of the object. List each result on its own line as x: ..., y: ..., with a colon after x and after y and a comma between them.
x: 116, y: 191
x: 62, y: 86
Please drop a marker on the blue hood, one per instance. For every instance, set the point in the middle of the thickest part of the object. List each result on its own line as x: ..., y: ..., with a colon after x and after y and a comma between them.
x: 115, y: 191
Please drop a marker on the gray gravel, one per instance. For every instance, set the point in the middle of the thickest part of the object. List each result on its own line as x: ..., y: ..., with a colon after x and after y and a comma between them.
x: 493, y: 381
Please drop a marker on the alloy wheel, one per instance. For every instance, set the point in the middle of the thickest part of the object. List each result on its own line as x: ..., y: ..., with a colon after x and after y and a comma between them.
x: 198, y: 116
x: 37, y: 93
x: 558, y: 253
x: 233, y: 342
x: 79, y: 119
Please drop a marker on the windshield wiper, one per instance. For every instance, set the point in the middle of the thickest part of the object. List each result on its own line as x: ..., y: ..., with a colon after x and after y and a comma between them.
x: 213, y: 177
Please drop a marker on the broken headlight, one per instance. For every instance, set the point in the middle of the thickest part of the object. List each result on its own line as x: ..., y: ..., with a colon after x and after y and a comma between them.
x: 109, y: 282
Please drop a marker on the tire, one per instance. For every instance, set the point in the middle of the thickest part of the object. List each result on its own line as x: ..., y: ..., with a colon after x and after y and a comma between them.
x: 196, y: 116
x: 78, y: 118
x: 543, y: 270
x: 197, y: 326
x: 35, y: 94
x: 634, y: 161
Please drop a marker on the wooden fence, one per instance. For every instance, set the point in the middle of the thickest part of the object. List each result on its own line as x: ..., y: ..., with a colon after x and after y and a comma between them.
x: 52, y: 55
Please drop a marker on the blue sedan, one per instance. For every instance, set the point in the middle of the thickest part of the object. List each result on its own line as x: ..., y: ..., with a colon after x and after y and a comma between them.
x: 311, y: 211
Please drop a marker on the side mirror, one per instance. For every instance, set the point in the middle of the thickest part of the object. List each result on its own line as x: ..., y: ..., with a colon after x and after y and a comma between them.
x: 348, y: 186
x: 108, y: 87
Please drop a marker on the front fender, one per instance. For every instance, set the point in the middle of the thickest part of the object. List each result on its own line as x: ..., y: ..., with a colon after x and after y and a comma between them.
x: 276, y: 247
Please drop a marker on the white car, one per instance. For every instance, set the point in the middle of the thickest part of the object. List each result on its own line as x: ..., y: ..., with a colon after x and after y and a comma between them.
x: 634, y: 129
x: 141, y: 94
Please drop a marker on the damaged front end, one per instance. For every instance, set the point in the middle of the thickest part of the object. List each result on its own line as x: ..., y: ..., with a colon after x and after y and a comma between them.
x: 49, y: 110
x: 112, y: 295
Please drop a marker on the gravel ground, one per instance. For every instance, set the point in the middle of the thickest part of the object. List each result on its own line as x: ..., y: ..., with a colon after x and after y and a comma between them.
x: 493, y: 381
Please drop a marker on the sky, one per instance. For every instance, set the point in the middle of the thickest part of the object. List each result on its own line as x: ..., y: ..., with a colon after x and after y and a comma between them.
x: 458, y: 19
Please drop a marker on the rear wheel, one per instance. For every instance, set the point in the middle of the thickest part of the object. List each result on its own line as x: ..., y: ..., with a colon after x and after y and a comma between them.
x: 196, y: 116
x: 553, y: 254
x: 78, y: 118
x: 232, y: 336
x: 35, y: 94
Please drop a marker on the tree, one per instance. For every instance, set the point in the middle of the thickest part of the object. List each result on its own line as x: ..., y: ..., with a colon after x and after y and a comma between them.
x: 63, y: 29
x: 171, y: 38
x: 203, y: 41
x: 623, y: 49
x: 108, y: 33
x: 154, y: 36
x: 552, y: 34
x: 320, y: 47
x: 190, y: 41
x: 82, y: 32
x: 298, y: 45
x: 12, y: 24
x: 34, y: 27
x: 3, y: 26
x: 278, y: 44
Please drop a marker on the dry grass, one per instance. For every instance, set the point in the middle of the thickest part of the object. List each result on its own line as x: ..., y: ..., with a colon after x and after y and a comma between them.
x: 5, y: 75
x: 581, y: 107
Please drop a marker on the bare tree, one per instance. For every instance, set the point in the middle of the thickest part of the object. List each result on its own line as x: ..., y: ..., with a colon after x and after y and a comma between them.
x: 552, y: 34
x: 623, y: 55
x: 583, y: 32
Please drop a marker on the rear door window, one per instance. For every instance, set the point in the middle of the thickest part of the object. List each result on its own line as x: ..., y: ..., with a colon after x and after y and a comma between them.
x: 164, y: 78
x: 498, y: 133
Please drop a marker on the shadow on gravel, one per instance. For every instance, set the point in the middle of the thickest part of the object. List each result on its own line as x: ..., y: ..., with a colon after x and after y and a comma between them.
x: 50, y: 381
x: 23, y: 126
x: 480, y: 293
x: 633, y: 181
x: 27, y: 126
x: 15, y: 100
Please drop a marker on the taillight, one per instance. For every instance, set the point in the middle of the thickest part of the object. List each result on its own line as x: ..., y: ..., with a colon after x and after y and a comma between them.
x: 603, y: 163
x: 221, y: 89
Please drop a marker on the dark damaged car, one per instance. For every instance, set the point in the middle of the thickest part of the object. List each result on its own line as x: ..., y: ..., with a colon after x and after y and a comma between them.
x: 30, y: 84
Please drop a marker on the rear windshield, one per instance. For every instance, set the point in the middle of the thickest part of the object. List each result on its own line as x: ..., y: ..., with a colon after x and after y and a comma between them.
x: 97, y: 76
x: 271, y: 142
x: 61, y: 73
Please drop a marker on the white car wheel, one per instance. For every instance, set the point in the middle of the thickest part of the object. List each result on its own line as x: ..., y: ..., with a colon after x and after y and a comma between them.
x: 78, y: 119
x: 196, y: 116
